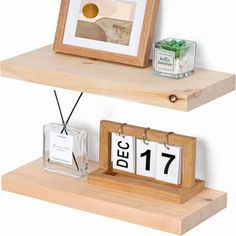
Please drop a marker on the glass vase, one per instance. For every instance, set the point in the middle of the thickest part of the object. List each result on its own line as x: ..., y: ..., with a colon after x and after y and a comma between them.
x: 174, y: 58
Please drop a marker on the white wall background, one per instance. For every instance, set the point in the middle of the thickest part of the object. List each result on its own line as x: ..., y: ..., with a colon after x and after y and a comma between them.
x: 25, y: 108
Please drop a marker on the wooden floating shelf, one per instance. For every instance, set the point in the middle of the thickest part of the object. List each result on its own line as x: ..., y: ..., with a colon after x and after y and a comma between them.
x: 43, y: 66
x: 31, y: 180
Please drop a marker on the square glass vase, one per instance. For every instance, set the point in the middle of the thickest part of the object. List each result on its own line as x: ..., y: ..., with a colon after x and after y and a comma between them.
x: 174, y: 58
x: 65, y: 150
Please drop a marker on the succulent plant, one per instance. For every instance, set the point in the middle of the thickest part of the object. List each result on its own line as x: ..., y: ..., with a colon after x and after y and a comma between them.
x: 179, y: 47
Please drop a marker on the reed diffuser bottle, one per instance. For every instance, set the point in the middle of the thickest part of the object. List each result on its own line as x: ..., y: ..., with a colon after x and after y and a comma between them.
x: 65, y: 148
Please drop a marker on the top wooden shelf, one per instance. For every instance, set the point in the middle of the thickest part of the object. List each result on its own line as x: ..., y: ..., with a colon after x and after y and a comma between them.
x: 43, y: 66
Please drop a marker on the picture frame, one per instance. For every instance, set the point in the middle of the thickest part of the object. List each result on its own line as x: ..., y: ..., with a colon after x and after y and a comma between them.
x: 107, y: 29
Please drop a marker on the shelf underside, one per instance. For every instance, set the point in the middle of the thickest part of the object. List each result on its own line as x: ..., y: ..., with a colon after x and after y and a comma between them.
x: 31, y: 180
x: 43, y: 66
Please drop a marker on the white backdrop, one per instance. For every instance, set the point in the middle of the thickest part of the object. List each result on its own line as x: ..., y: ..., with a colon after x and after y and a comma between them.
x: 25, y: 108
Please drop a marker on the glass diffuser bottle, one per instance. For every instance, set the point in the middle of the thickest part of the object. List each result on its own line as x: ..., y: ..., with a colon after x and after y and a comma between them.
x: 65, y: 150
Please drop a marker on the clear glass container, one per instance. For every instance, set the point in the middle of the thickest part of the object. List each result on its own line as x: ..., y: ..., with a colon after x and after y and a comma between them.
x: 174, y: 58
x: 65, y: 150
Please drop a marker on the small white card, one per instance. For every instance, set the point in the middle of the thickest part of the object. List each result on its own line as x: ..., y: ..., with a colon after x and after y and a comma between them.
x: 169, y: 163
x: 164, y: 60
x: 123, y: 152
x: 146, y: 158
x: 61, y: 148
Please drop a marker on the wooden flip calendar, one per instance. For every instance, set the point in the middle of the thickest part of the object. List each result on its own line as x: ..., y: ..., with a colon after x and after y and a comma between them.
x: 147, y: 162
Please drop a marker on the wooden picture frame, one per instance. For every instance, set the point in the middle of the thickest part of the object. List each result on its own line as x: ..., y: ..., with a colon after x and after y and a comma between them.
x: 136, y: 52
x: 106, y: 176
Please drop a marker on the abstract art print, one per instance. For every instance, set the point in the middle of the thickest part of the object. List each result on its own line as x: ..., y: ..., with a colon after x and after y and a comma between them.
x: 113, y: 30
x: 106, y: 20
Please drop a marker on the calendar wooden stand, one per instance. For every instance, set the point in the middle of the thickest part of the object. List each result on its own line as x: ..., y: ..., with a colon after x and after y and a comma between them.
x: 107, y: 177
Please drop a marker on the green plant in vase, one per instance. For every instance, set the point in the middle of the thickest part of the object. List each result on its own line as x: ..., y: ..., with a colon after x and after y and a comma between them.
x: 174, y: 58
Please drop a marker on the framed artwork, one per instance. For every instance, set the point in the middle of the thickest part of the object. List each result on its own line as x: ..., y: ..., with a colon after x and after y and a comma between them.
x: 113, y: 30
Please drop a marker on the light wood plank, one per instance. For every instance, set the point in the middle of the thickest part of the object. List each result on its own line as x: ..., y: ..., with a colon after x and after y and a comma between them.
x: 125, y: 82
x: 31, y: 180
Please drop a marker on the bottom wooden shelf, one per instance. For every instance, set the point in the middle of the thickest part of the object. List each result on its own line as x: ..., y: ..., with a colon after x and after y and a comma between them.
x: 31, y: 180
